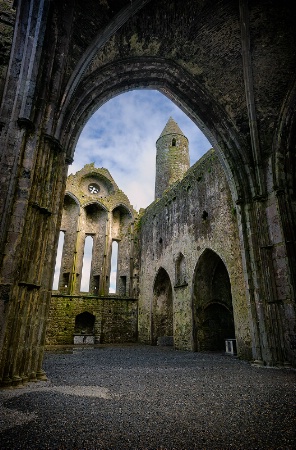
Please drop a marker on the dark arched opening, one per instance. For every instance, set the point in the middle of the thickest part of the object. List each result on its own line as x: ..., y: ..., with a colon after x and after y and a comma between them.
x: 84, y: 323
x: 212, y: 304
x: 162, y: 310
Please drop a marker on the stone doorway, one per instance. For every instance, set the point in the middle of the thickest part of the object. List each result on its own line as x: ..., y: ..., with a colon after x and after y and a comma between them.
x: 162, y: 310
x: 213, y: 320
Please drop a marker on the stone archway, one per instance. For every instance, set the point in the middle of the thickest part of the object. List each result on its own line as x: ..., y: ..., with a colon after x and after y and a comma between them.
x: 175, y: 83
x: 56, y: 76
x: 212, y: 309
x: 162, y: 310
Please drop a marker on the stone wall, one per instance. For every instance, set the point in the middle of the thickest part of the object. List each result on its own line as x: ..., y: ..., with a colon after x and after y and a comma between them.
x: 195, y: 216
x: 95, y: 206
x: 115, y: 318
x: 229, y: 65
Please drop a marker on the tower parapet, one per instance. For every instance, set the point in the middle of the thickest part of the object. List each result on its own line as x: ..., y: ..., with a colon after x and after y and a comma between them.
x: 172, y: 157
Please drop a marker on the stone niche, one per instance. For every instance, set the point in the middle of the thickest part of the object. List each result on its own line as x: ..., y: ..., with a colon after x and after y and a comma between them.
x: 84, y: 328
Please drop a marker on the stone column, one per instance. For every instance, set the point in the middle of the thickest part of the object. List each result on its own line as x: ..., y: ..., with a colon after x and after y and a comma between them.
x: 33, y: 174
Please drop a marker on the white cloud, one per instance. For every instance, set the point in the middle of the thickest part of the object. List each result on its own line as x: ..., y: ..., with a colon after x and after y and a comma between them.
x: 121, y: 137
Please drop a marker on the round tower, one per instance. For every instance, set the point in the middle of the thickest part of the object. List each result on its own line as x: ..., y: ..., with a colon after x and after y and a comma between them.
x: 172, y: 157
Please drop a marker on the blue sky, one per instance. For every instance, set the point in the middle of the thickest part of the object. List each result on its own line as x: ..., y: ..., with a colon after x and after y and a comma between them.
x: 121, y: 137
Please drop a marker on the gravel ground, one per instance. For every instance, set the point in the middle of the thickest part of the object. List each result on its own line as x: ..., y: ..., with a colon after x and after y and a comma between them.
x: 142, y: 397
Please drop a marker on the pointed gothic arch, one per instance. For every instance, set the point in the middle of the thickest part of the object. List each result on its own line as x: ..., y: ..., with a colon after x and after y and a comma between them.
x: 176, y: 84
x: 71, y: 208
x: 212, y: 308
x: 162, y: 326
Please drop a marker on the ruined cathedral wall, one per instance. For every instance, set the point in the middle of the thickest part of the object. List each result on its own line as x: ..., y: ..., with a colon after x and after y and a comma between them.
x: 94, y: 207
x: 115, y: 319
x: 194, y: 215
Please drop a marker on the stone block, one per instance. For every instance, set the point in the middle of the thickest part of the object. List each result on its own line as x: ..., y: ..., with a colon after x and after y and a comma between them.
x: 83, y: 339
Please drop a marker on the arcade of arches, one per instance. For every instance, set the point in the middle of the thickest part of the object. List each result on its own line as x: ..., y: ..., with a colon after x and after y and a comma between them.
x: 231, y: 67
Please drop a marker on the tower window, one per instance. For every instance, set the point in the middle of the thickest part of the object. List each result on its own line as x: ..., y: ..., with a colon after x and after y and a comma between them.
x: 174, y: 142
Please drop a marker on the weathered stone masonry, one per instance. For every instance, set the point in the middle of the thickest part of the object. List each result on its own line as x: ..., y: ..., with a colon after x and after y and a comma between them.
x: 193, y: 217
x: 172, y: 157
x: 191, y: 284
x: 94, y: 206
x: 115, y: 319
x: 229, y: 65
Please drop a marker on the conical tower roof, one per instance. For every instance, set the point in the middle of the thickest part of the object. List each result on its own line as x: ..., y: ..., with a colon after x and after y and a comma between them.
x: 172, y: 157
x: 171, y: 128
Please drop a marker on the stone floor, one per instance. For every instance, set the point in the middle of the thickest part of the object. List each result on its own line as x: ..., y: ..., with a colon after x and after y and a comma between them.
x: 141, y: 397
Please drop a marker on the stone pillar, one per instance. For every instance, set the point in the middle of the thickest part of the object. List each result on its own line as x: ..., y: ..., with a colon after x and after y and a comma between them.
x: 33, y: 174
x: 271, y: 302
x: 18, y: 149
x: 31, y: 283
x: 268, y: 346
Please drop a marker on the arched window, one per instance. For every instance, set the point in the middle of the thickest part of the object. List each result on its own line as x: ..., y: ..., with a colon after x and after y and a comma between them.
x: 57, y: 269
x: 162, y: 310
x: 174, y: 142
x: 113, y: 270
x: 213, y: 320
x: 86, y: 265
